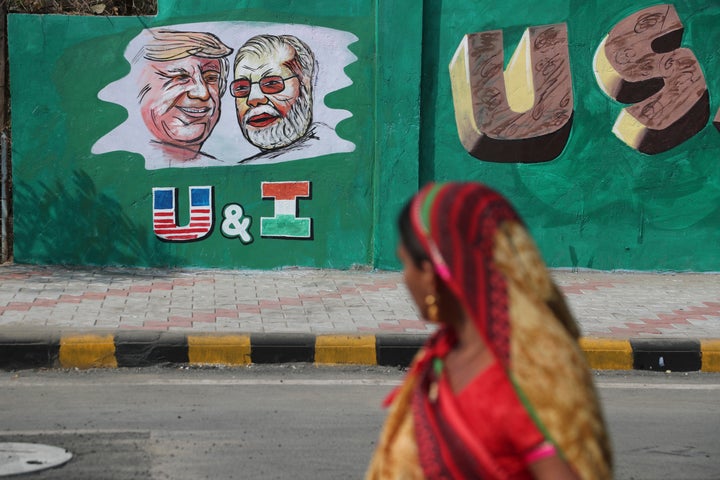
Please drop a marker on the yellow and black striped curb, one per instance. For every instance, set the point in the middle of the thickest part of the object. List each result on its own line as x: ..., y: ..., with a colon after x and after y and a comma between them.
x: 140, y: 349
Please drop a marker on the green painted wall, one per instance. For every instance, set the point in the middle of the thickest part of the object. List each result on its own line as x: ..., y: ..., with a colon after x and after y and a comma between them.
x: 78, y: 208
x: 599, y: 204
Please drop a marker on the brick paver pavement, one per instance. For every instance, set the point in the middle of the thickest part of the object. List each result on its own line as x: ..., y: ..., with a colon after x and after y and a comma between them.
x: 606, y: 304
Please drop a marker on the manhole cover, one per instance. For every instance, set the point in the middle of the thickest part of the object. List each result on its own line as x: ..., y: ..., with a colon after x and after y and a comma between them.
x: 18, y: 458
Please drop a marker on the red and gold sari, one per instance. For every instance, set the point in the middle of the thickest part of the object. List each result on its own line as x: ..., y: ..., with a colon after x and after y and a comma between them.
x: 536, y: 399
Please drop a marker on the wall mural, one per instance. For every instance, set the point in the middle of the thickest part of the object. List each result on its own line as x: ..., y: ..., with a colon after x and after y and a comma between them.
x: 230, y: 93
x: 641, y: 62
x: 262, y: 135
x: 182, y: 78
x: 524, y: 113
x: 235, y: 224
x: 165, y: 214
x: 285, y: 223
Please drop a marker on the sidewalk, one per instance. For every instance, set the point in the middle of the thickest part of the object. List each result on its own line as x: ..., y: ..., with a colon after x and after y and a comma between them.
x: 84, y: 317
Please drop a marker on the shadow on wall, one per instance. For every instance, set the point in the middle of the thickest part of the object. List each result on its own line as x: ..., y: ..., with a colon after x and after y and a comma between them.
x: 58, y: 217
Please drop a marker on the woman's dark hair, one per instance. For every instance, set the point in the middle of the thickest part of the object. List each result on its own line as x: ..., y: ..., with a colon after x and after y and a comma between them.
x: 408, y: 238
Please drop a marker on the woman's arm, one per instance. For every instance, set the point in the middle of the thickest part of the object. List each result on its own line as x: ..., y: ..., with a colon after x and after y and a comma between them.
x: 552, y: 468
x: 545, y: 463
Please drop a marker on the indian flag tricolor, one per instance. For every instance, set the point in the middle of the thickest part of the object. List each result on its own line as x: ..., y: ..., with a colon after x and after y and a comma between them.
x: 286, y: 223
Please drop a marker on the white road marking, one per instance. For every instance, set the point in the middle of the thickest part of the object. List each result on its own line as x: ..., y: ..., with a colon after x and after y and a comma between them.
x: 657, y: 386
x: 158, y: 382
x: 332, y: 382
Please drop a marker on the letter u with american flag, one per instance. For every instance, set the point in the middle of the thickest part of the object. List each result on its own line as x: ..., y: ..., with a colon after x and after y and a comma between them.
x: 165, y: 215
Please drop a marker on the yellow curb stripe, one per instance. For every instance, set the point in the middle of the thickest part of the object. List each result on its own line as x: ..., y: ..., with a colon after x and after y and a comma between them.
x: 87, y: 351
x: 710, y: 350
x: 605, y: 354
x: 347, y: 349
x: 219, y: 349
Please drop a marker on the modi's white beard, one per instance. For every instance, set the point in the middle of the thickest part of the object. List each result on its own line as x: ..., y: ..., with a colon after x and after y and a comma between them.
x: 282, y: 132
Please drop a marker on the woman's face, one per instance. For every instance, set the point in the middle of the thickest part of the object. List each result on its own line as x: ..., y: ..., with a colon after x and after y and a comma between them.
x: 416, y: 278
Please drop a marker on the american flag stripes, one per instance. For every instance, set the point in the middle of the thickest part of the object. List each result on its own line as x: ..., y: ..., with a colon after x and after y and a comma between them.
x: 165, y: 214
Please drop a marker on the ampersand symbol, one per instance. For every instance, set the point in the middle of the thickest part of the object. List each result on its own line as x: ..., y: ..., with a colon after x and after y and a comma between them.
x: 236, y: 224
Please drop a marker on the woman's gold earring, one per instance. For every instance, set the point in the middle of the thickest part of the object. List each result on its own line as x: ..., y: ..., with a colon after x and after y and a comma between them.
x: 432, y: 308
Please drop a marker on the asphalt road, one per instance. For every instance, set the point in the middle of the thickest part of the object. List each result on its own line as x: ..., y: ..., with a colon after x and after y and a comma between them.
x: 304, y: 422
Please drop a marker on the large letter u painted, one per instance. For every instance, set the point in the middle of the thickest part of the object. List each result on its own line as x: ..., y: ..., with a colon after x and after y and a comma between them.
x: 165, y: 215
x: 523, y: 114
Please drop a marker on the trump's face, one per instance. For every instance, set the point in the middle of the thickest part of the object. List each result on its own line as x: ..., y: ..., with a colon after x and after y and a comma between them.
x: 180, y: 100
x: 272, y: 109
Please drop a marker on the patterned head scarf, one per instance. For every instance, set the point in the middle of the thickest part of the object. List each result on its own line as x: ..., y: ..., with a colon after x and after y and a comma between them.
x: 480, y: 248
x: 456, y: 224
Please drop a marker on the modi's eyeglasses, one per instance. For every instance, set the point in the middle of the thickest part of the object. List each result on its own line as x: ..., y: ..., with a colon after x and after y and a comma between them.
x: 241, y: 87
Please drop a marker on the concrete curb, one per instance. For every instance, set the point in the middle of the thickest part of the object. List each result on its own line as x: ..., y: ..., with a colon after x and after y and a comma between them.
x: 141, y: 348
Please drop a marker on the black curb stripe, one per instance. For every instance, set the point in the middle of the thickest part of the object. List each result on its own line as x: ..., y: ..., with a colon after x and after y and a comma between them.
x: 142, y: 349
x: 18, y: 356
x: 20, y: 350
x: 677, y: 355
x: 397, y: 350
x: 282, y: 348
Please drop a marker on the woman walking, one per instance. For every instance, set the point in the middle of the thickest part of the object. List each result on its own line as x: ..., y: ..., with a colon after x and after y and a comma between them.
x: 502, y: 390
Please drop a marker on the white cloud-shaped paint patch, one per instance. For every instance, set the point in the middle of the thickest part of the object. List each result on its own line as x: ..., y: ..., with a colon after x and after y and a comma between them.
x: 226, y: 142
